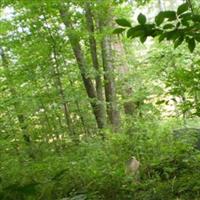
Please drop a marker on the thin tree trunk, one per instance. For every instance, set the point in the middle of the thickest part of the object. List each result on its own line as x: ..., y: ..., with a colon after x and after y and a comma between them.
x: 61, y: 92
x: 84, y: 126
x: 74, y: 41
x: 53, y: 107
x: 80, y: 113
x: 46, y: 117
x: 195, y: 92
x: 93, y: 51
x: 59, y: 84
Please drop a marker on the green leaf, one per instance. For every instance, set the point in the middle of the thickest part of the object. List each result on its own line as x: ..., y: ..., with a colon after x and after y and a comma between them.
x: 162, y: 37
x: 178, y: 41
x: 196, y: 28
x: 169, y: 35
x: 168, y: 26
x: 159, y: 19
x: 197, y: 37
x: 178, y: 25
x: 172, y: 35
x: 135, y: 32
x: 123, y: 22
x: 170, y: 15
x: 191, y: 44
x: 185, y: 23
x: 182, y: 8
x: 142, y: 19
x: 186, y: 16
x: 143, y: 38
x: 196, y: 18
x: 149, y: 29
x: 118, y: 30
x: 157, y: 32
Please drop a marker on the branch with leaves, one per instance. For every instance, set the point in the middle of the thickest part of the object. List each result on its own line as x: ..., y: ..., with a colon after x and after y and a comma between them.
x: 176, y: 26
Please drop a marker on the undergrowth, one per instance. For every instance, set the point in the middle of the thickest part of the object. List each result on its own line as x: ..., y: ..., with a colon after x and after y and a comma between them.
x: 94, y: 169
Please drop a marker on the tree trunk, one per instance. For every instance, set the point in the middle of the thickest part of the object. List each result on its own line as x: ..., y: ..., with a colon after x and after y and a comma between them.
x: 74, y: 41
x: 109, y: 82
x: 93, y: 52
x: 62, y: 95
x: 104, y: 21
x: 123, y: 70
x: 58, y: 84
x: 55, y: 114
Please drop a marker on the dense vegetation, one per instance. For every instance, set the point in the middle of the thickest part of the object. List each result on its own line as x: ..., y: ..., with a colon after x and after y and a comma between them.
x: 87, y: 84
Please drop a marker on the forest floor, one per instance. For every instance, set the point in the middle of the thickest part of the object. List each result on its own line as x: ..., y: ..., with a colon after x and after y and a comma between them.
x: 95, y: 169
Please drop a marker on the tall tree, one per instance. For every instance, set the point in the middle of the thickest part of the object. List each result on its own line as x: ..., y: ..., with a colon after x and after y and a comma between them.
x: 82, y: 64
x: 95, y: 62
x: 104, y: 21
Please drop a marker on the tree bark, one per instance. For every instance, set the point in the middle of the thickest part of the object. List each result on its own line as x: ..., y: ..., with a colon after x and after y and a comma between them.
x: 95, y: 62
x: 104, y: 20
x: 123, y: 70
x: 109, y: 82
x: 90, y: 89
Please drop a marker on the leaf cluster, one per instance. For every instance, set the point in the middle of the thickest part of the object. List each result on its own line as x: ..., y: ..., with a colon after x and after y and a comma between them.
x: 176, y: 26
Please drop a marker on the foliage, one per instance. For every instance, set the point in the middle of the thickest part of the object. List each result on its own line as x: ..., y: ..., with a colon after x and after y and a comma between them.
x: 60, y: 65
x: 95, y: 169
x: 179, y: 26
x: 182, y: 25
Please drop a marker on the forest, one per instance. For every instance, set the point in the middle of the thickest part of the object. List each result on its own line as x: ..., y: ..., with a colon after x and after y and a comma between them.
x: 99, y: 99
